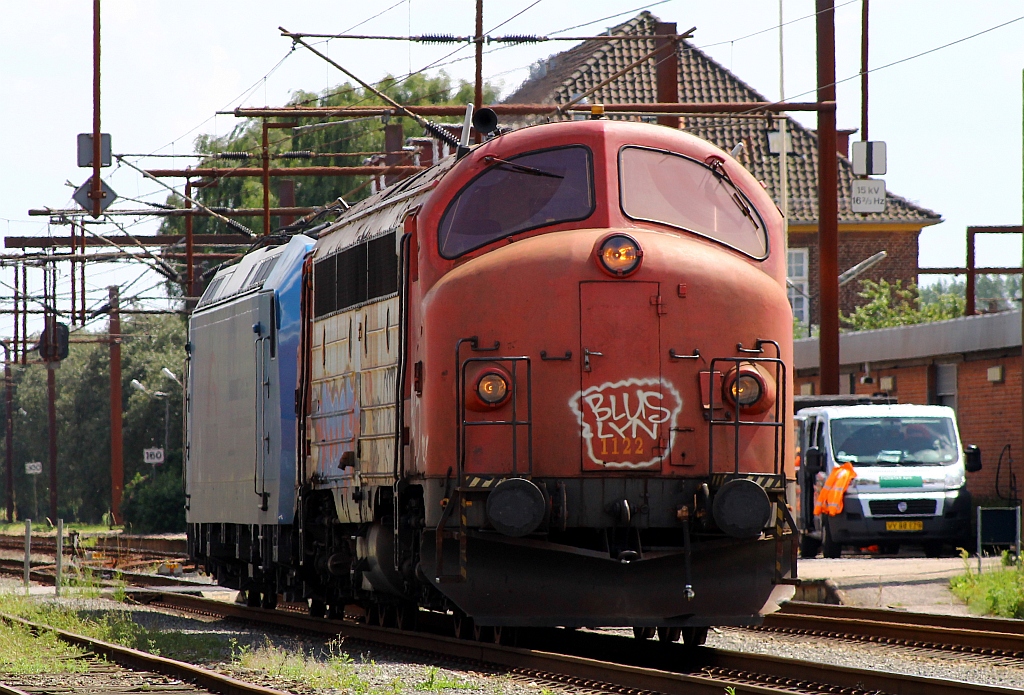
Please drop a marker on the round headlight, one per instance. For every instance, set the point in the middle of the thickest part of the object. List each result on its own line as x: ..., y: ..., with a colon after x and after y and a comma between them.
x: 745, y: 390
x: 620, y: 255
x: 492, y: 388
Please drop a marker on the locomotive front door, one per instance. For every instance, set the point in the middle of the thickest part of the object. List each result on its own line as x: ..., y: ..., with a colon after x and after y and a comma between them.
x: 624, y: 418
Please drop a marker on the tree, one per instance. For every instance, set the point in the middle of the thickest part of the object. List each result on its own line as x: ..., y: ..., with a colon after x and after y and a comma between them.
x: 344, y: 144
x: 890, y: 304
x: 83, y: 417
x: 992, y: 293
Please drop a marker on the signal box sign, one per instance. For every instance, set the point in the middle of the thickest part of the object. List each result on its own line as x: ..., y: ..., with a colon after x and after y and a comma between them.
x: 868, y: 195
x: 33, y: 468
x: 153, y: 457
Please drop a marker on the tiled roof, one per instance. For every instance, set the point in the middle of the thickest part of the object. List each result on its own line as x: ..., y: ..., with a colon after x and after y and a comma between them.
x: 564, y: 75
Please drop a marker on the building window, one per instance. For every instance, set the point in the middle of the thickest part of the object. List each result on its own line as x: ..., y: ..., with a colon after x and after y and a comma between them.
x: 945, y: 385
x: 799, y: 297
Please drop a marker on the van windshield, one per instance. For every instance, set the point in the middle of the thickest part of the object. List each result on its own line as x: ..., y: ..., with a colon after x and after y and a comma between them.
x: 893, y: 441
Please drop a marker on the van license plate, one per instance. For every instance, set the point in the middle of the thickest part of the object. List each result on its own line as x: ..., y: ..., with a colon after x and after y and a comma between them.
x: 904, y: 526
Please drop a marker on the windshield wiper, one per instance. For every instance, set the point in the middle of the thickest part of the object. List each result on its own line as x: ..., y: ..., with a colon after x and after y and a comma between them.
x: 521, y: 168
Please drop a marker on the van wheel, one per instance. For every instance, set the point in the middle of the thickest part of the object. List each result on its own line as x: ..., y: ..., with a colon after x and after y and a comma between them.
x: 829, y: 547
x: 809, y: 547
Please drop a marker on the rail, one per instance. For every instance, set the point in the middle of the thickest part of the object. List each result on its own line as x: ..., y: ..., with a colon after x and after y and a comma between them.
x: 610, y: 662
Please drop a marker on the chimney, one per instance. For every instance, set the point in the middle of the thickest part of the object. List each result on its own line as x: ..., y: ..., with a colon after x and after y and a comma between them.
x: 667, y: 71
x: 843, y: 141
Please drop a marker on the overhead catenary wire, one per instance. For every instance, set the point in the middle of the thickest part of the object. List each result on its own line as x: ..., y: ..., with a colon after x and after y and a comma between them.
x: 228, y: 221
x: 912, y: 57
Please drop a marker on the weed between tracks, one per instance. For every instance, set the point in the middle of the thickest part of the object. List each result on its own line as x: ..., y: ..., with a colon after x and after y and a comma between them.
x: 117, y: 627
x: 323, y: 668
x: 997, y: 592
x: 331, y: 668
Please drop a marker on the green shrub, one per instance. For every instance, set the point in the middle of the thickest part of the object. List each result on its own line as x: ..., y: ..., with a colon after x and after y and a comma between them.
x: 155, y: 503
x: 999, y: 592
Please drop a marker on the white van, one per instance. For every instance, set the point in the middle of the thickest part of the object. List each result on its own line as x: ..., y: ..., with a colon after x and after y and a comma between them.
x: 911, y: 477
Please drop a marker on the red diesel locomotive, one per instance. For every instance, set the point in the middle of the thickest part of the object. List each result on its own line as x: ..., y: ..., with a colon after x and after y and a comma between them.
x: 543, y: 383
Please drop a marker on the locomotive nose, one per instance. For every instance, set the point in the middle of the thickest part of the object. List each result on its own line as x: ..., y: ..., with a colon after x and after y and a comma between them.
x: 613, y: 329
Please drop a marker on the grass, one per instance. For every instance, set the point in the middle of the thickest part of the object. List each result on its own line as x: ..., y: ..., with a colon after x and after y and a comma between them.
x: 436, y: 683
x: 998, y: 592
x: 336, y: 670
x: 22, y: 652
x: 329, y: 668
x: 119, y: 628
x: 17, y: 528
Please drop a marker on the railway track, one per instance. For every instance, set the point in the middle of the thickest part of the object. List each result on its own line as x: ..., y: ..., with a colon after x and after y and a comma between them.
x: 985, y: 636
x: 118, y: 545
x: 140, y: 670
x: 606, y: 662
x: 624, y: 665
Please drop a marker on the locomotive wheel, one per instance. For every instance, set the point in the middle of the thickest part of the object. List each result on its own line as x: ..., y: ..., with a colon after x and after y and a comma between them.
x: 406, y: 616
x: 464, y: 628
x: 809, y: 547
x: 694, y: 636
x: 268, y: 600
x: 644, y: 632
x: 504, y: 635
x: 317, y: 608
x: 829, y: 547
x: 336, y: 612
x: 253, y: 598
x: 669, y: 634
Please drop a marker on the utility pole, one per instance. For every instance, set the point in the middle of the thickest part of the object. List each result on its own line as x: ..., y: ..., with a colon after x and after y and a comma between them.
x: 190, y: 287
x: 828, y: 205
x: 96, y: 194
x: 864, y: 70
x: 51, y: 416
x: 116, y: 450
x: 478, y: 92
x: 9, y: 417
x: 50, y: 326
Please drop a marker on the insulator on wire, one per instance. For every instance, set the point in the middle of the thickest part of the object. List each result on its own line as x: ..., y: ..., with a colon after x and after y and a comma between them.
x: 233, y: 155
x: 439, y: 38
x: 440, y: 133
x: 297, y: 154
x: 517, y: 38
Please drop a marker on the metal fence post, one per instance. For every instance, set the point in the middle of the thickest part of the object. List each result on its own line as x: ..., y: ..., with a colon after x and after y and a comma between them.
x: 978, y: 510
x: 60, y: 555
x: 28, y: 551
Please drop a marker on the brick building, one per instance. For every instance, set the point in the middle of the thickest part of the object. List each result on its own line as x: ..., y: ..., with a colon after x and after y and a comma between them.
x: 563, y: 76
x: 972, y: 364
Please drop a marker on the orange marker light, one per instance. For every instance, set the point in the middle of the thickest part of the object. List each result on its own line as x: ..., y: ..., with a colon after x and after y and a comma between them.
x: 492, y: 388
x: 620, y: 255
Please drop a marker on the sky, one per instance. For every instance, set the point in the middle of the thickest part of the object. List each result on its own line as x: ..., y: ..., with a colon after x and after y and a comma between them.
x: 951, y: 118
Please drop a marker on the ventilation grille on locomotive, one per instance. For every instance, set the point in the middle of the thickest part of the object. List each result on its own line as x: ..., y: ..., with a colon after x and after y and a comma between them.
x: 260, y: 272
x: 211, y: 292
x: 892, y: 507
x: 356, y: 275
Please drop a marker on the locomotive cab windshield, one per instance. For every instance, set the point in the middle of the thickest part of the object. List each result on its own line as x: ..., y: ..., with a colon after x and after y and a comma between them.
x: 516, y: 195
x: 675, y: 190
